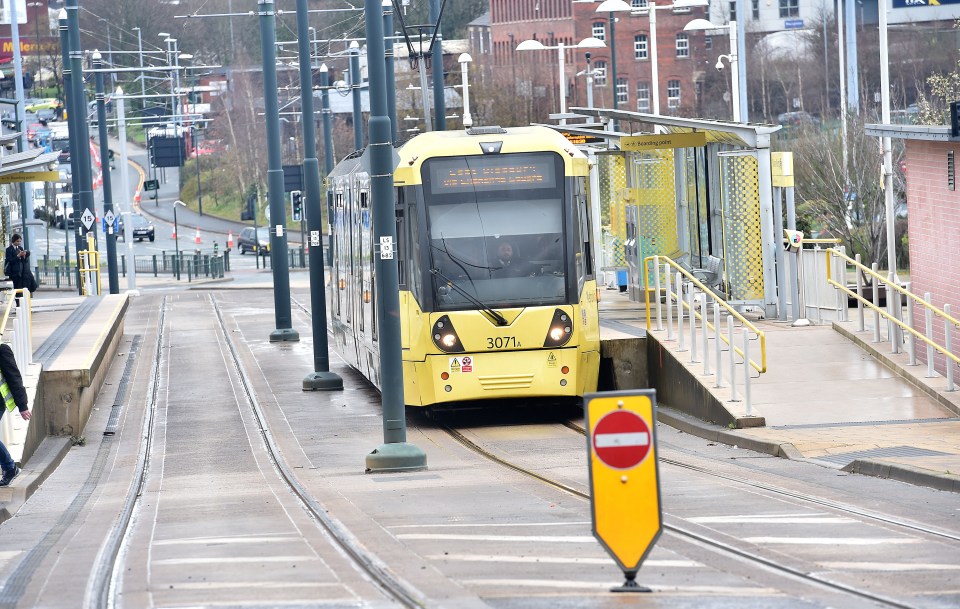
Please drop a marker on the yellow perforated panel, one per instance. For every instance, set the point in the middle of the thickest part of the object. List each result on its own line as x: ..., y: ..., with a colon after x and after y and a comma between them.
x: 612, y: 170
x: 742, y: 246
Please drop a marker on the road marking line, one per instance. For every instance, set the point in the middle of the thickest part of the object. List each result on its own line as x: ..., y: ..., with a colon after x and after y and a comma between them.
x: 223, y: 540
x: 770, y: 520
x: 232, y: 559
x: 605, y: 587
x: 270, y: 585
x: 558, y: 560
x: 546, y: 538
x: 835, y: 541
x: 889, y: 566
x: 491, y: 524
x: 612, y: 440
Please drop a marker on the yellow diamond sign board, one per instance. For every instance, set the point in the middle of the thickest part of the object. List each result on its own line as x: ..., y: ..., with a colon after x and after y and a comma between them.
x: 624, y: 480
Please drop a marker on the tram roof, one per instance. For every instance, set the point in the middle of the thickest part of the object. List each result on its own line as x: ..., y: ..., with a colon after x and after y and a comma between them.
x: 462, y: 142
x: 746, y: 135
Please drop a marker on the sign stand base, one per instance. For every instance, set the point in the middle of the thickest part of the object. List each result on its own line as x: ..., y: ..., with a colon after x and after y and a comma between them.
x: 630, y: 585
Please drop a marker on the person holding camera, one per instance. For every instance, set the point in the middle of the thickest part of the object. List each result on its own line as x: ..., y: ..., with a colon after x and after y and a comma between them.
x: 16, y: 264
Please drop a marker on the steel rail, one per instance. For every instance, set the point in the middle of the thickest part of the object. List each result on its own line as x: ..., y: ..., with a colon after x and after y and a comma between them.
x: 380, y: 573
x: 792, y: 572
x: 834, y: 505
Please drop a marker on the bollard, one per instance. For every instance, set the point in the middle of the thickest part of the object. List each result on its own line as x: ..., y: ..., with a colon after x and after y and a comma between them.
x: 928, y: 314
x: 746, y: 369
x: 56, y: 274
x: 911, y: 339
x: 154, y: 257
x: 733, y: 360
x: 876, y: 303
x: 860, y: 325
x: 669, y: 296
x: 716, y: 338
x: 693, y: 323
x: 189, y: 272
x: 948, y: 343
x: 706, y: 333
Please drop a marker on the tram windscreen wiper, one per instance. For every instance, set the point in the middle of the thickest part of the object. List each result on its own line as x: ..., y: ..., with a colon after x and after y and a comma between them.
x: 497, y: 317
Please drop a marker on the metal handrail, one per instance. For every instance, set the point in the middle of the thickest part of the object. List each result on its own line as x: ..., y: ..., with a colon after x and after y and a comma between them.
x: 759, y: 367
x: 891, y: 318
x: 8, y: 307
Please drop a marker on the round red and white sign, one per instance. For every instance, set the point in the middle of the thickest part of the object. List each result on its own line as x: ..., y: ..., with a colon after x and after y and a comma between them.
x: 621, y: 439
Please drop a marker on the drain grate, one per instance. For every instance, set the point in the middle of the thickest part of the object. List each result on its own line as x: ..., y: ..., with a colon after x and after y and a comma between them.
x: 881, y: 453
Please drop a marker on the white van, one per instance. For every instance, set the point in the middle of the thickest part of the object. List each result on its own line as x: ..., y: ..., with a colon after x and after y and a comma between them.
x: 36, y: 194
x: 64, y: 211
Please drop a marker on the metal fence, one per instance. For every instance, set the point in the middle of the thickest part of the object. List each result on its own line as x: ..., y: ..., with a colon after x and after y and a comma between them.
x: 57, y: 272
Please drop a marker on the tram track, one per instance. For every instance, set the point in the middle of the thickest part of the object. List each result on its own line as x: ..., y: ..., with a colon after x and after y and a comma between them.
x: 104, y: 585
x: 681, y: 532
x: 819, y: 501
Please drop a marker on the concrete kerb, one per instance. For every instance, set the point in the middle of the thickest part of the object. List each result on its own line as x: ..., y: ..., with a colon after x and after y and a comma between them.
x: 897, y: 363
x: 786, y: 450
x: 44, y: 462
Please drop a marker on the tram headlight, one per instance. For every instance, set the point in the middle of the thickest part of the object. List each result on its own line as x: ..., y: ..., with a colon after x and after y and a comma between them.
x: 561, y: 329
x: 445, y: 336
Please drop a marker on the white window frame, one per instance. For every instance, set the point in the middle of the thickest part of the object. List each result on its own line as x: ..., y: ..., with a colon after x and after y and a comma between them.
x: 599, y: 30
x: 641, y: 47
x: 683, y: 45
x: 623, y: 91
x: 643, y: 96
x: 600, y: 73
x: 673, y: 86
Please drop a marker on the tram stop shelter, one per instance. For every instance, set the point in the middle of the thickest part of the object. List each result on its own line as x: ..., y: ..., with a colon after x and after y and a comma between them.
x: 698, y: 191
x: 27, y: 166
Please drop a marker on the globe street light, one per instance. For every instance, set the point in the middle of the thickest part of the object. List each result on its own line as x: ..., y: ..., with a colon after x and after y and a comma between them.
x: 536, y: 45
x: 619, y: 6
x: 698, y: 25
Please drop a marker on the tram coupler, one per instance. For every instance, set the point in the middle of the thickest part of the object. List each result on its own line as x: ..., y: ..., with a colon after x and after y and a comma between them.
x: 630, y: 584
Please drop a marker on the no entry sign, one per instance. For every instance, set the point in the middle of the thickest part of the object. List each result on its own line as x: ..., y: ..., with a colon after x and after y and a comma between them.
x: 624, y: 483
x: 621, y: 439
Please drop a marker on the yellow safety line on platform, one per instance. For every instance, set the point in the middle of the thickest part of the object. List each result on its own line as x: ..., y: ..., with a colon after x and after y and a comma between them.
x: 762, y: 366
x: 884, y: 314
x: 91, y: 355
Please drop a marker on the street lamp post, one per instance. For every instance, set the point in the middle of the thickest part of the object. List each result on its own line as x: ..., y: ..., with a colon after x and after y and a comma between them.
x: 36, y: 18
x: 698, y: 25
x: 619, y: 6
x: 109, y: 236
x: 536, y: 45
x: 464, y: 61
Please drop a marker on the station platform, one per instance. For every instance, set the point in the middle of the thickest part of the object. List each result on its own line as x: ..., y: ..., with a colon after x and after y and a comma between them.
x: 830, y: 396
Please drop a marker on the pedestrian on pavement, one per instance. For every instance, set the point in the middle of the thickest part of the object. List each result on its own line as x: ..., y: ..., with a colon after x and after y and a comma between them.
x: 13, y: 394
x: 16, y: 264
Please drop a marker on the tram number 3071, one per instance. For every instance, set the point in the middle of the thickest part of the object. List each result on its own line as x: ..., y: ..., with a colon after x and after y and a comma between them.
x: 502, y: 342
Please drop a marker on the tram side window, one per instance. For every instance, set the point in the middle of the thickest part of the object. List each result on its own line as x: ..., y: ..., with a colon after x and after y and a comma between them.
x: 411, y: 254
x: 582, y: 208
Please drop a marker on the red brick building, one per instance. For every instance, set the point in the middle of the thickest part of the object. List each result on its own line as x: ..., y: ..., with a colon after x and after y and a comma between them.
x: 682, y: 57
x: 933, y: 213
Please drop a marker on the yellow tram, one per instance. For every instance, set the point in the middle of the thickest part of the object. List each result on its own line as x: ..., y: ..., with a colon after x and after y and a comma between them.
x: 497, y: 294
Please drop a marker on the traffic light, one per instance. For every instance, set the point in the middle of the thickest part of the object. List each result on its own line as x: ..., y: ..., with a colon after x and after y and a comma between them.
x: 296, y: 205
x: 250, y: 212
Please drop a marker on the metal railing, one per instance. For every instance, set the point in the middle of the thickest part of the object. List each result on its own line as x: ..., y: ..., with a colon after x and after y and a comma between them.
x: 899, y: 327
x: 688, y: 290
x: 21, y: 340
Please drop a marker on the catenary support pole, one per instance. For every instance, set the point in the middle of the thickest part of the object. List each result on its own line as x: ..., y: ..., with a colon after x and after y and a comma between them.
x: 278, y: 212
x: 82, y: 148
x: 327, y: 149
x: 356, y: 81
x: 439, y: 104
x: 321, y: 378
x: 741, y: 26
x: 126, y: 196
x: 72, y: 115
x: 109, y: 235
x: 395, y: 454
x: 391, y: 72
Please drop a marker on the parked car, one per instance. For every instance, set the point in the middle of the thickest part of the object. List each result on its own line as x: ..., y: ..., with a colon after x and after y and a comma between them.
x: 796, y: 119
x: 254, y: 240
x: 141, y: 228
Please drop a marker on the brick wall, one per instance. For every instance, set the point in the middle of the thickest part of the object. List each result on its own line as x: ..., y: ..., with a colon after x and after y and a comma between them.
x: 934, y: 233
